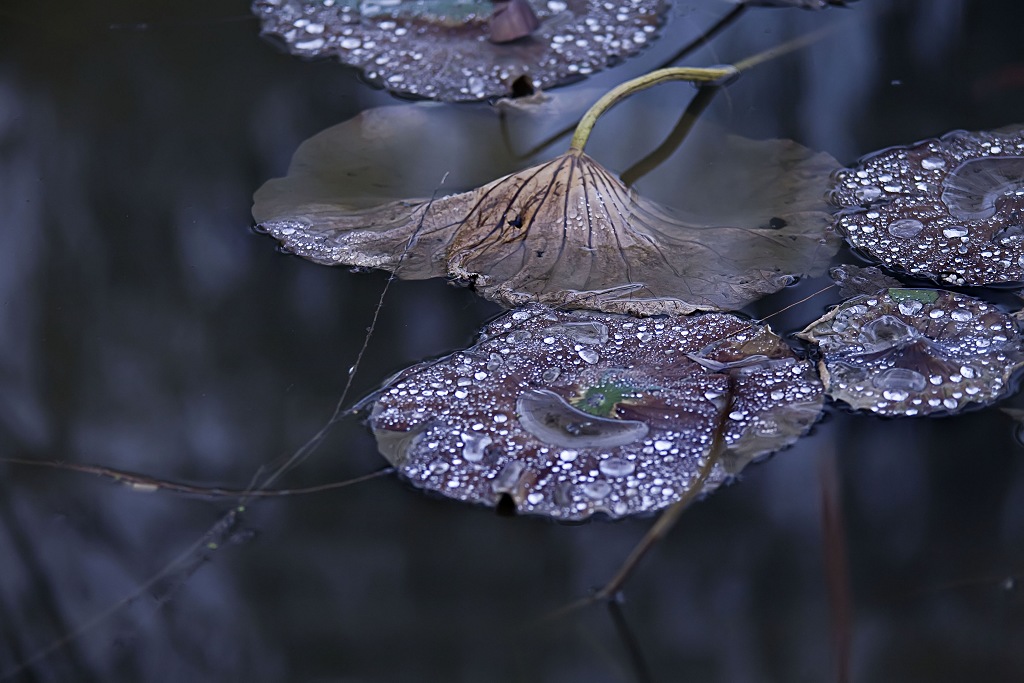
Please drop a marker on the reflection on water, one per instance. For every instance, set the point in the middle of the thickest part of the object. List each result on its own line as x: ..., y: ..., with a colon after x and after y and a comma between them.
x: 144, y: 327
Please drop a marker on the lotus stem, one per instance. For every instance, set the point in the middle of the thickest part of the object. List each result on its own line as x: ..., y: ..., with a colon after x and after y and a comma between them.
x: 714, y: 74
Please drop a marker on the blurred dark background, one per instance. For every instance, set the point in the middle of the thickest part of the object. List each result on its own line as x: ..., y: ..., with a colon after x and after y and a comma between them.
x: 143, y: 326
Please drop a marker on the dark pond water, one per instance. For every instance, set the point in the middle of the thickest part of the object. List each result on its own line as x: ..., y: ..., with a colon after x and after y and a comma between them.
x: 144, y: 327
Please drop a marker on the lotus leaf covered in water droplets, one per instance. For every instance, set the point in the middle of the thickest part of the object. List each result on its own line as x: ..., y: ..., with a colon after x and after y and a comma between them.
x: 624, y: 429
x: 468, y: 49
x: 853, y: 280
x: 950, y: 209
x: 916, y: 351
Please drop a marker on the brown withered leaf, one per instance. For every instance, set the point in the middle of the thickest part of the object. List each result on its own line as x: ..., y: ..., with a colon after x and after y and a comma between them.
x: 567, y: 232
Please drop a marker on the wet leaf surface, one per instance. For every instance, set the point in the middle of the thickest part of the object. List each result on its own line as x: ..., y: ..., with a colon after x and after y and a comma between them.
x: 853, y: 280
x: 804, y: 4
x: 572, y: 413
x: 950, y: 209
x: 916, y: 351
x: 567, y: 231
x: 473, y: 50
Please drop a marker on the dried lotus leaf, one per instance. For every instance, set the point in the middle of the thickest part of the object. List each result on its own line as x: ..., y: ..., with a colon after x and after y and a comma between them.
x: 567, y: 232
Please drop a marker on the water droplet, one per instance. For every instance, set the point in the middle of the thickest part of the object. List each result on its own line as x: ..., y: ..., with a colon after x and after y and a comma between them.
x: 970, y: 191
x: 535, y: 498
x: 906, y: 228
x: 936, y: 313
x: 581, y: 332
x: 474, y: 446
x: 550, y: 418
x: 960, y: 315
x: 562, y: 494
x: 895, y: 395
x: 314, y: 44
x: 550, y: 375
x: 662, y: 445
x: 899, y: 379
x: 597, y: 490
x: 933, y: 163
x: 950, y: 403
x: 867, y: 193
x: 910, y: 307
x: 477, y: 86
x: 350, y: 43
x: 616, y: 467
x: 955, y: 232
x: 505, y: 481
x: 589, y: 355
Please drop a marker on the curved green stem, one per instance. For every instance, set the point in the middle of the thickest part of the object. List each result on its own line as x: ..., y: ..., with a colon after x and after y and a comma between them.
x: 714, y: 74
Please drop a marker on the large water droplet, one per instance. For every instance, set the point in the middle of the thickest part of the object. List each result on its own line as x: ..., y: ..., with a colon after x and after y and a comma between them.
x: 550, y: 418
x: 889, y: 329
x: 867, y: 193
x: 581, y: 332
x: 616, y: 467
x: 474, y: 446
x: 910, y: 306
x: 597, y: 490
x: 550, y: 375
x: 970, y: 191
x: 900, y: 379
x: 906, y: 228
x: 505, y: 481
x: 955, y: 232
x: 960, y: 315
x: 933, y: 163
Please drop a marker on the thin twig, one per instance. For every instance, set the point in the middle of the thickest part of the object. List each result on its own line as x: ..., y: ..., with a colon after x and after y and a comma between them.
x: 142, y: 482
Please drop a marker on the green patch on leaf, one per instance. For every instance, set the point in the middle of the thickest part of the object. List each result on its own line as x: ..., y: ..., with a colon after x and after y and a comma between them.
x: 602, y: 399
x: 925, y: 296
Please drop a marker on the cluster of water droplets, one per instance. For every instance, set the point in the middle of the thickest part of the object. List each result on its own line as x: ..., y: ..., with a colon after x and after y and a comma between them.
x: 441, y: 50
x: 950, y: 209
x: 916, y: 351
x: 573, y: 413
